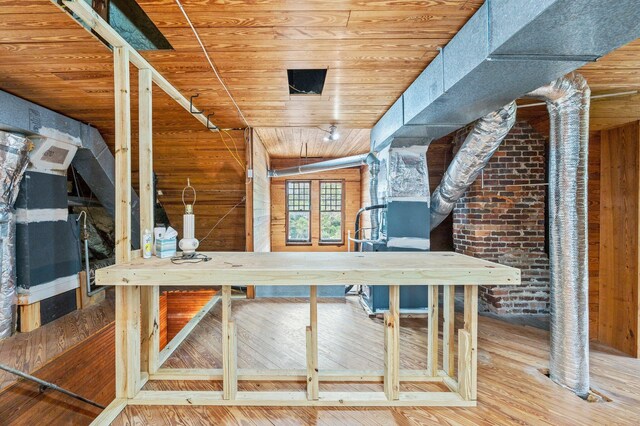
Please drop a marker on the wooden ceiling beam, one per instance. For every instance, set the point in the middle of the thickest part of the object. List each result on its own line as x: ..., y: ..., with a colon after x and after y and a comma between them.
x: 102, y: 28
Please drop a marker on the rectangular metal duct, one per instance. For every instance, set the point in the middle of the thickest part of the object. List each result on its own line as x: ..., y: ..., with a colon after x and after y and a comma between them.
x: 93, y: 160
x: 507, y: 49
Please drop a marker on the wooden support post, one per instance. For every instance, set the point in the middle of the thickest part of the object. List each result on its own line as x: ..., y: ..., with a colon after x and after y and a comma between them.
x: 432, y: 348
x: 392, y: 345
x: 468, y: 346
x: 29, y: 317
x: 150, y: 306
x: 150, y: 295
x: 448, y: 329
x: 229, y: 348
x: 127, y: 297
x: 127, y: 341
x: 313, y: 388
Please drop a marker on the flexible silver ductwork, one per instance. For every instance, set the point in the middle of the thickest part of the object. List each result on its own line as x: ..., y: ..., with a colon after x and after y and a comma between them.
x: 374, y: 170
x: 474, y: 154
x: 13, y: 163
x: 323, y: 166
x: 568, y: 101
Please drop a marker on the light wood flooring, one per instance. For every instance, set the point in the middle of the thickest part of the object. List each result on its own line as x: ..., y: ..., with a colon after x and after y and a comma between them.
x: 512, y: 390
x: 271, y: 335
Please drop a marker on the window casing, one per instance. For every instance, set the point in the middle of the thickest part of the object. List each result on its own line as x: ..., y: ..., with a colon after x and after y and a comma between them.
x: 298, y: 199
x: 331, y: 212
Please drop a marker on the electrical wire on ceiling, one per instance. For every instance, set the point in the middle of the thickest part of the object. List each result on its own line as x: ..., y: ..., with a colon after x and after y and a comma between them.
x: 233, y: 140
x: 213, y: 67
x: 230, y: 151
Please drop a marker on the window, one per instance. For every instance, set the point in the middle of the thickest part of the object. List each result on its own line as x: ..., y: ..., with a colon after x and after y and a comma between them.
x: 298, y: 211
x: 330, y: 212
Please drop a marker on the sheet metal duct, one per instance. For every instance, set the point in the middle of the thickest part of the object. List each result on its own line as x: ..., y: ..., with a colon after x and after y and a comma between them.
x: 568, y: 101
x: 93, y: 160
x: 14, y: 160
x: 507, y: 49
x: 323, y: 166
x: 474, y: 154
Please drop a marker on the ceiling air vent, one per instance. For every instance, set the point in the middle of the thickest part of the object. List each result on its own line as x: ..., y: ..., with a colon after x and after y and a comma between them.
x: 306, y: 82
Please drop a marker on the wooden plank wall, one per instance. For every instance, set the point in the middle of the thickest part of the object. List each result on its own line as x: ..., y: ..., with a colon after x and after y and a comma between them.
x: 163, y: 321
x: 261, y: 197
x: 184, y: 305
x: 278, y: 212
x: 594, y: 232
x: 618, y: 314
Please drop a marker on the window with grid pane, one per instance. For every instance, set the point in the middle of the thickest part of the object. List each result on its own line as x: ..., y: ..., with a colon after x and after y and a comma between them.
x: 298, y: 211
x: 330, y: 212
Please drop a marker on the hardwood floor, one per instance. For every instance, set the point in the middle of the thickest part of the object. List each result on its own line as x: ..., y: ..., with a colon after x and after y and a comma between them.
x: 271, y: 335
x: 88, y: 369
x: 512, y: 390
x: 30, y: 351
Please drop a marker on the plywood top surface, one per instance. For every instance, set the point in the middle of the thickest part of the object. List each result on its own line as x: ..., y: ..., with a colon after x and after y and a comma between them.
x: 300, y: 268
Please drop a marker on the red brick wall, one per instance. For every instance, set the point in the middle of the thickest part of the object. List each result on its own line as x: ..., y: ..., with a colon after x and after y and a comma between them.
x: 502, y: 218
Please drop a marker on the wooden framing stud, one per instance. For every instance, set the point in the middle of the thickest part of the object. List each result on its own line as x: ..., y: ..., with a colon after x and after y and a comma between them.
x: 392, y: 345
x: 448, y: 329
x: 313, y: 387
x: 29, y: 317
x: 122, y: 154
x: 471, y: 327
x: 150, y: 307
x: 229, y: 348
x: 433, y: 328
x: 127, y: 341
x: 465, y: 373
x: 230, y: 363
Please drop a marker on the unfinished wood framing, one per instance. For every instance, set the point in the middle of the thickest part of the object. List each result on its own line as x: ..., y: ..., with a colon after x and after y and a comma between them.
x: 448, y: 329
x: 234, y: 268
x: 313, y: 388
x: 469, y: 349
x: 392, y: 345
x: 267, y: 268
x: 29, y: 317
x: 432, y: 329
x: 229, y: 348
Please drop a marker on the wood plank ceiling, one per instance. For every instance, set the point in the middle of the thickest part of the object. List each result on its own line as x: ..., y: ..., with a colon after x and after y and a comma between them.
x: 372, y: 49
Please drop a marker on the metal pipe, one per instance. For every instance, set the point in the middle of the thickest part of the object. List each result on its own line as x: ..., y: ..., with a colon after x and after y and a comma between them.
x: 374, y: 171
x: 49, y: 385
x: 357, y: 237
x: 323, y: 166
x: 474, y: 154
x: 568, y: 101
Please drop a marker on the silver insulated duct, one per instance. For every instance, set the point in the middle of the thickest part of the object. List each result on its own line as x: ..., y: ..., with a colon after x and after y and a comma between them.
x: 323, y: 166
x: 474, y: 154
x: 13, y: 163
x: 568, y: 103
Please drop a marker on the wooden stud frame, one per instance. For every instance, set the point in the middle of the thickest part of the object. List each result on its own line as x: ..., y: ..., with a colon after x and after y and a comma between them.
x: 137, y: 308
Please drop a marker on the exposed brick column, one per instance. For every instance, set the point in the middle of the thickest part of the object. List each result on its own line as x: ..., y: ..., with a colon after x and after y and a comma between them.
x: 502, y: 218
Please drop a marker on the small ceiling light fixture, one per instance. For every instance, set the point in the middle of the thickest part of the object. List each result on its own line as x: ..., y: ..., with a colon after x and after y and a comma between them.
x: 333, y: 134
